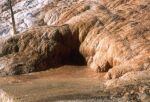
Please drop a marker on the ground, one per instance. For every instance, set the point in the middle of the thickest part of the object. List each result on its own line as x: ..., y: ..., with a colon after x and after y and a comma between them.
x: 64, y: 83
x: 70, y: 84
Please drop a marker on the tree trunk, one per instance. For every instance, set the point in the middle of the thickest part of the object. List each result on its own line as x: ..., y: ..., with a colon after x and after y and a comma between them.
x: 12, y: 17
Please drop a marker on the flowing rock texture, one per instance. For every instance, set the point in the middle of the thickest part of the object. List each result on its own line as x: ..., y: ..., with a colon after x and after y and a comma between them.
x: 111, y: 35
x: 31, y: 13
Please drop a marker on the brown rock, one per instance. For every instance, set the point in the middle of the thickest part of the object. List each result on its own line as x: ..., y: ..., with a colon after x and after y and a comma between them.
x: 112, y: 36
x: 35, y: 50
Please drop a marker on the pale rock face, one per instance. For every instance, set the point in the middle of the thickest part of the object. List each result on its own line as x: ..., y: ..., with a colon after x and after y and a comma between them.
x: 4, y: 97
x: 27, y: 14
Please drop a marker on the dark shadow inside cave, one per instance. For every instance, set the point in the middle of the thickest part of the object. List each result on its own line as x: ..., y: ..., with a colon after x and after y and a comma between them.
x: 75, y: 58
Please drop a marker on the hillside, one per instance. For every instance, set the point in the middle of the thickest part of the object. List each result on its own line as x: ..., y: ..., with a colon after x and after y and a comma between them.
x: 111, y: 36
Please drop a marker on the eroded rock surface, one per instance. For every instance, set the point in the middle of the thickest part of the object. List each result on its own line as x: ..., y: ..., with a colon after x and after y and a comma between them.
x: 35, y: 50
x: 31, y: 13
x: 112, y: 36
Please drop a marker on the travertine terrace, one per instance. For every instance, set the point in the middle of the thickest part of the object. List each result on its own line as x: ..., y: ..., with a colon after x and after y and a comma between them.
x: 111, y: 36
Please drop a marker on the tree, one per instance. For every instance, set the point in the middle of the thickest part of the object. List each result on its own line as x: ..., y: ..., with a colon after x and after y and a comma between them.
x: 12, y: 17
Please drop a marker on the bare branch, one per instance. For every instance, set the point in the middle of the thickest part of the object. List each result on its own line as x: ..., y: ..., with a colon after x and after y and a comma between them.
x: 12, y: 16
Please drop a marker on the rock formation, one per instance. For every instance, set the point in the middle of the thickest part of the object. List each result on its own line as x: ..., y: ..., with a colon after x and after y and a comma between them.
x: 30, y: 13
x: 112, y: 36
x: 35, y: 50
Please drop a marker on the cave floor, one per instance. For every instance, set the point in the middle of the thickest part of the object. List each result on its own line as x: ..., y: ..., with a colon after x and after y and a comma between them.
x: 66, y: 83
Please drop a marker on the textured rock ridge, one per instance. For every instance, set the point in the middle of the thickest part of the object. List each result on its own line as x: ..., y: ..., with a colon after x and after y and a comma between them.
x: 112, y: 36
x: 35, y: 50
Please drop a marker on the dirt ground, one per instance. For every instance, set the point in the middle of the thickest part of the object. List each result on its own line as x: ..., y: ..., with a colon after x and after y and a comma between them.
x: 67, y: 83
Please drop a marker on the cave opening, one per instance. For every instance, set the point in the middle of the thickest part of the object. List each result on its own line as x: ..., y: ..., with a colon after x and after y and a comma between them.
x: 75, y: 58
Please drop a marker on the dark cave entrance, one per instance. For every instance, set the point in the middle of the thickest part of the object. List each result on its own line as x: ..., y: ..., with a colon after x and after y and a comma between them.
x: 75, y: 58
